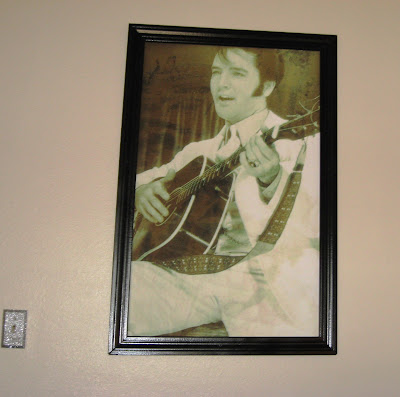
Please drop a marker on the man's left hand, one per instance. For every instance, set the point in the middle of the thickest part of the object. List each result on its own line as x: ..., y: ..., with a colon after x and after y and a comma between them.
x: 260, y: 160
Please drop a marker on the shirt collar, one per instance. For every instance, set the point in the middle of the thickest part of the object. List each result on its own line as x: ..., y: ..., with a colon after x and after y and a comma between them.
x: 248, y: 127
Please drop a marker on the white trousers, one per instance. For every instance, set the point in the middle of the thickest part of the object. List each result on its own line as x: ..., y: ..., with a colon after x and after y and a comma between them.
x: 253, y: 298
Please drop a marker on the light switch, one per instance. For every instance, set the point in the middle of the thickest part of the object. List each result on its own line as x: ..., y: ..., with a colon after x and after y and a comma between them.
x: 14, y: 328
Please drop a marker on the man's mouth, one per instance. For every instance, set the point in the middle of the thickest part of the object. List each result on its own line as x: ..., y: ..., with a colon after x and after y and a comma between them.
x: 225, y: 98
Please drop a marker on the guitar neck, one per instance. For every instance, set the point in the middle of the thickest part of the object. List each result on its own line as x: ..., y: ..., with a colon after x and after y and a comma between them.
x: 296, y: 128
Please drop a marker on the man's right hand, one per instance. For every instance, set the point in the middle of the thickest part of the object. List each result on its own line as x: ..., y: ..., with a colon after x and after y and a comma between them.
x: 147, y: 199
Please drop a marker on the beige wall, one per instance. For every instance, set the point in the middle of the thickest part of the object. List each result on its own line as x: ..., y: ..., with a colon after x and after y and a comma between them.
x: 61, y: 89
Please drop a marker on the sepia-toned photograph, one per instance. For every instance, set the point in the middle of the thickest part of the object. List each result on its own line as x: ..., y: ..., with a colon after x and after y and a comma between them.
x: 225, y: 235
x: 211, y: 244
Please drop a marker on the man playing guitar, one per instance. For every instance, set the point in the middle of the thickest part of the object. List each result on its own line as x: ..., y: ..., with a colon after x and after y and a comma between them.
x: 273, y: 292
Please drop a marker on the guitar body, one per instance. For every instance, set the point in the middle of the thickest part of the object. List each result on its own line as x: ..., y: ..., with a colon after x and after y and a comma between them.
x: 192, y: 226
x: 199, y: 200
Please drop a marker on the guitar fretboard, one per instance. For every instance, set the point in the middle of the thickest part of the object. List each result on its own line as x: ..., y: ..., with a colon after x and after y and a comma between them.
x: 296, y: 128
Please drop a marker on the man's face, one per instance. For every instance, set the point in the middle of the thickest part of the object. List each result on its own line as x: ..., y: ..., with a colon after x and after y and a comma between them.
x: 234, y: 80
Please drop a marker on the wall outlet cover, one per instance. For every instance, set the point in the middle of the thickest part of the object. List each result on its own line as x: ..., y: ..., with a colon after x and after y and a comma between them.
x: 14, y: 328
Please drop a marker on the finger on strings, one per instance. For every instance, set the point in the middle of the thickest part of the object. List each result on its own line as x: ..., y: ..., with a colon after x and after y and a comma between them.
x: 147, y: 215
x: 159, y: 206
x: 245, y: 163
x: 263, y: 150
x: 161, y: 191
x: 275, y: 132
x: 250, y: 151
x: 152, y: 212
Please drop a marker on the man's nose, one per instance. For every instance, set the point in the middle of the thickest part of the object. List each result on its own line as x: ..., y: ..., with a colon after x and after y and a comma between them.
x: 224, y: 80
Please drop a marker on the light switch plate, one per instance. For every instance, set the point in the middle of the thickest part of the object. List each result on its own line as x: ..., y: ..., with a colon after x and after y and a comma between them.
x: 14, y: 328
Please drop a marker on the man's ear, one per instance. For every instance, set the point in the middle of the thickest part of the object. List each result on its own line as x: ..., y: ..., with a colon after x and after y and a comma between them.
x: 268, y: 88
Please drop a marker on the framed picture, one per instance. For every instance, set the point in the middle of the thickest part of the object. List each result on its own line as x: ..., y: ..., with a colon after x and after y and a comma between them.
x: 226, y: 215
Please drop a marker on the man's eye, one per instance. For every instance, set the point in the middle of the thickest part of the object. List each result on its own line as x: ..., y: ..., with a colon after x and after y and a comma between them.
x: 239, y: 74
x: 215, y: 72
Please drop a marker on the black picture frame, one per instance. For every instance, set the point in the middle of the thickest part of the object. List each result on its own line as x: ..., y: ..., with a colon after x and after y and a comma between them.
x: 326, y: 342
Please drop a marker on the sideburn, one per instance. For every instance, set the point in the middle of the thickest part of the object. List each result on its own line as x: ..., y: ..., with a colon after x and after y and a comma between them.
x: 258, y: 91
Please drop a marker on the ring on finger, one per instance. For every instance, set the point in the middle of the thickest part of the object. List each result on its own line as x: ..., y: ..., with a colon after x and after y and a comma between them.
x: 254, y: 163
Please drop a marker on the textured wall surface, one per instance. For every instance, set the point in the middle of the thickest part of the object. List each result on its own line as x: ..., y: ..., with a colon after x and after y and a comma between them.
x: 61, y: 90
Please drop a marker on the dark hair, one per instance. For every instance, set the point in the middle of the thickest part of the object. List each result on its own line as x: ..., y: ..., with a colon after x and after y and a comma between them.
x: 269, y: 62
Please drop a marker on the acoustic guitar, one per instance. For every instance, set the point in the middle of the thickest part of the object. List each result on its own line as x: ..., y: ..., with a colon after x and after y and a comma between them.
x: 199, y: 197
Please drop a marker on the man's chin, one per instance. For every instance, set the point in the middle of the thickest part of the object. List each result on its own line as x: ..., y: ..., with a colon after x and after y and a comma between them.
x: 226, y: 114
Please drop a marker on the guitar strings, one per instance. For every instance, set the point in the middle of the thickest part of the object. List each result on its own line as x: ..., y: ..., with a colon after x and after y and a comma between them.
x: 193, y: 185
x: 207, y: 174
x: 190, y: 187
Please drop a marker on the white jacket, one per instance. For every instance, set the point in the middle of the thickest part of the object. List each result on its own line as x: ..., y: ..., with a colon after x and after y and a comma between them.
x: 254, y: 211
